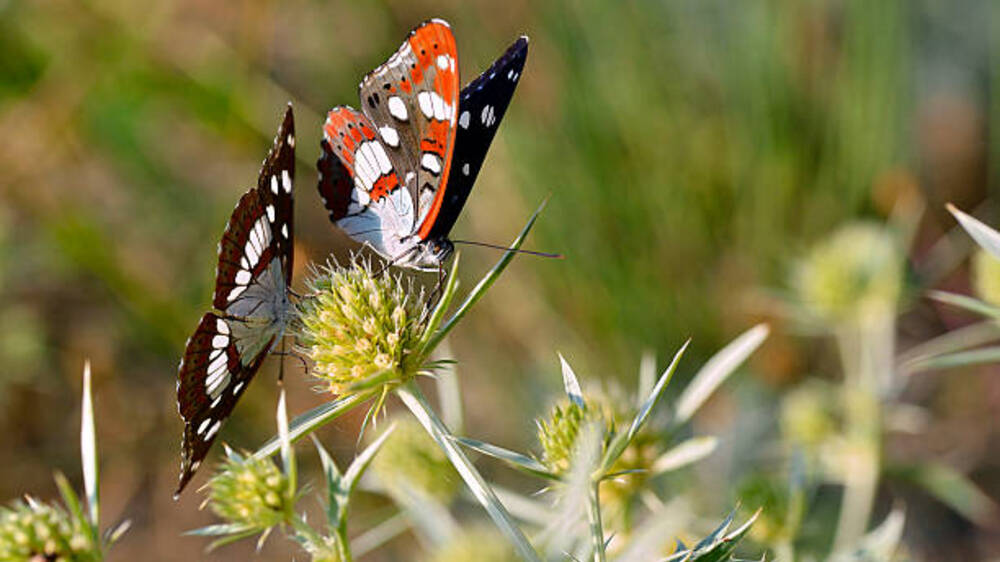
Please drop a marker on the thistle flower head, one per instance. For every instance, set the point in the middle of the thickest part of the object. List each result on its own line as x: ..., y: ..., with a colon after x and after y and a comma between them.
x: 30, y: 530
x: 986, y: 276
x: 251, y: 492
x: 479, y: 543
x: 854, y: 271
x: 358, y: 327
x: 412, y: 459
x: 557, y: 434
x: 807, y: 415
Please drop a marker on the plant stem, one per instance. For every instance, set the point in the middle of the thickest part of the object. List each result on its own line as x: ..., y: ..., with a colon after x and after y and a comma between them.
x: 343, y: 545
x: 414, y: 399
x: 594, y: 516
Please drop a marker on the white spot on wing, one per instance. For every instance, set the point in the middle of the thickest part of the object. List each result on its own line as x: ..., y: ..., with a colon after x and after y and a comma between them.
x: 220, y: 341
x: 397, y: 108
x: 488, y: 118
x: 430, y: 162
x: 464, y: 120
x: 236, y: 292
x: 204, y: 426
x: 465, y: 168
x: 385, y: 166
x: 270, y: 213
x: 442, y: 62
x: 291, y: 141
x: 214, y: 429
x: 286, y: 181
x: 237, y: 388
x: 243, y: 277
x: 390, y: 136
x: 274, y: 185
x: 426, y: 104
x: 221, y: 326
x: 284, y: 230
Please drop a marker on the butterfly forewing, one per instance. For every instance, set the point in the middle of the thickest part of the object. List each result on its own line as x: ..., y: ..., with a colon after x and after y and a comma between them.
x: 254, y: 270
x: 275, y: 182
x: 482, y: 105
x: 412, y: 100
x: 211, y: 378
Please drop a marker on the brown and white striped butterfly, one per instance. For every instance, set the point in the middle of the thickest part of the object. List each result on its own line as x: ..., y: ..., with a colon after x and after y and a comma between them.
x: 250, y: 307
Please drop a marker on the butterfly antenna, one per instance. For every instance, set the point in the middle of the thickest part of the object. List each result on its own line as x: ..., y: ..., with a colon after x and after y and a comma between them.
x: 505, y: 248
x: 281, y: 365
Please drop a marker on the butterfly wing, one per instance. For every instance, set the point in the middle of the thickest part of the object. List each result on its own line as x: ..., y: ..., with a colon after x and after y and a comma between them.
x: 211, y: 378
x: 359, y: 185
x: 482, y: 105
x: 252, y: 276
x: 412, y: 100
x: 261, y: 226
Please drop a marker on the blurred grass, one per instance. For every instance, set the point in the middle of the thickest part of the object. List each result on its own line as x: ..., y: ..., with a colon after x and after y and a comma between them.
x: 692, y: 150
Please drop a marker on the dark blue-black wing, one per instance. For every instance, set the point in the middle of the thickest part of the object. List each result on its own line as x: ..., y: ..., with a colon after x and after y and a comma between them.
x: 482, y: 105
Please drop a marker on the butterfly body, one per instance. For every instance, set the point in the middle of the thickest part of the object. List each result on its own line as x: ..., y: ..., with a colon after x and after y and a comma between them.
x: 251, y: 304
x: 396, y: 174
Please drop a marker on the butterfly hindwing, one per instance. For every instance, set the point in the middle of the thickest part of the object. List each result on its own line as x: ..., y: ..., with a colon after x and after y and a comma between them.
x: 482, y: 105
x: 412, y: 100
x: 252, y: 277
x: 359, y: 184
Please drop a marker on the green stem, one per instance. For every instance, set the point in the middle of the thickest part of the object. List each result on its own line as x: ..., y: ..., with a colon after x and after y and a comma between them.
x: 594, y: 516
x: 414, y: 399
x: 343, y: 545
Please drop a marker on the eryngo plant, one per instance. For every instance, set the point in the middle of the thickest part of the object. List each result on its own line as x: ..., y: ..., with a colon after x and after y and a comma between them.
x: 370, y: 334
x: 32, y: 530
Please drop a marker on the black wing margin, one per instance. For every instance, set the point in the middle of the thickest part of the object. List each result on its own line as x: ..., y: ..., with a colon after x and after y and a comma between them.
x: 482, y: 104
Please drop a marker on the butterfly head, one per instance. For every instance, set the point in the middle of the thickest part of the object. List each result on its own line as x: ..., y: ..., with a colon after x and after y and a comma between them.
x: 428, y: 255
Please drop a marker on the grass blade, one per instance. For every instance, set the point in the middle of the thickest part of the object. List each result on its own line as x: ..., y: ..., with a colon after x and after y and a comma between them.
x: 571, y: 383
x: 964, y: 302
x: 985, y: 236
x: 959, y: 359
x: 411, y: 396
x: 487, y: 281
x: 513, y: 458
x: 953, y: 489
x: 88, y: 450
x: 437, y: 316
x: 717, y: 369
x: 312, y: 420
x: 621, y: 441
x: 685, y: 453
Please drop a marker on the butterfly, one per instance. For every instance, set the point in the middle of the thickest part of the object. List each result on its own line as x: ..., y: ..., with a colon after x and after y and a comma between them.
x: 396, y: 174
x: 251, y: 305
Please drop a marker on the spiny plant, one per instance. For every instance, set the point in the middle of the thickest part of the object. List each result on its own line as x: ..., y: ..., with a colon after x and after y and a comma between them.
x: 369, y: 336
x: 32, y: 530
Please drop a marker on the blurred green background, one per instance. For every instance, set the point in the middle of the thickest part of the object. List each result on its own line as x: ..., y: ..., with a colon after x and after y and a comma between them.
x: 693, y: 151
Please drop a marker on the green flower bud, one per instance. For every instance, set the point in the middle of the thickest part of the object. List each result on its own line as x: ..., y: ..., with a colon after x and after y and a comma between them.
x: 251, y: 492
x: 410, y: 458
x: 857, y: 269
x: 355, y: 325
x: 557, y: 434
x: 32, y: 531
x: 807, y: 414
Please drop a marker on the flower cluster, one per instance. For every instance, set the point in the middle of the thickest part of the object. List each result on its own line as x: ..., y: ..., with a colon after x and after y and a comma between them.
x: 357, y: 327
x: 557, y: 434
x: 251, y: 492
x: 856, y: 269
x: 30, y: 530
